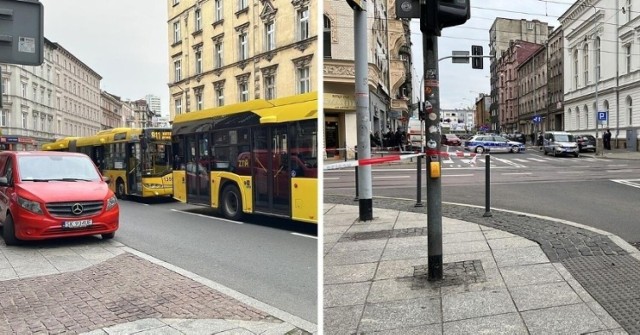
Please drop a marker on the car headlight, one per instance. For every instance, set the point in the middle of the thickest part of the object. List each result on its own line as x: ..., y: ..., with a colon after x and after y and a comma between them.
x: 112, y: 202
x: 31, y: 206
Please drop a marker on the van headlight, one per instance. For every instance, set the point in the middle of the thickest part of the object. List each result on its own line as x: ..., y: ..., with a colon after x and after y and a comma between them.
x: 31, y: 206
x: 112, y: 202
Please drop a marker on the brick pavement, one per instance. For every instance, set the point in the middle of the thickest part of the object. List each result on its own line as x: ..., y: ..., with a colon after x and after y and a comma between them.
x: 119, y: 290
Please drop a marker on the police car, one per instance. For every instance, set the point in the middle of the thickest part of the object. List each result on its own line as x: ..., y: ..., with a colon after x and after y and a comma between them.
x: 492, y: 143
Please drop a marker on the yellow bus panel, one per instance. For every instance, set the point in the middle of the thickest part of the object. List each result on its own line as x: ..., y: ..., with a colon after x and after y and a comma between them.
x: 157, y: 186
x: 180, y: 185
x: 116, y: 175
x: 304, y: 199
x: 243, y: 183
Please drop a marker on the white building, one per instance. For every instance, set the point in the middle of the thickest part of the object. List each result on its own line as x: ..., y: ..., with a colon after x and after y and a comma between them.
x: 154, y: 103
x: 602, y: 41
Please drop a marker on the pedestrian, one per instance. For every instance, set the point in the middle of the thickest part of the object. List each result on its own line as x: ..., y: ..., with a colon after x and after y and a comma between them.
x: 606, y: 139
x: 533, y: 138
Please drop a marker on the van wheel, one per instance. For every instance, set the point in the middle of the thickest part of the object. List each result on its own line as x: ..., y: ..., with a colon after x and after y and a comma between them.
x: 9, y: 232
x: 108, y: 236
x: 120, y: 192
x: 231, y: 203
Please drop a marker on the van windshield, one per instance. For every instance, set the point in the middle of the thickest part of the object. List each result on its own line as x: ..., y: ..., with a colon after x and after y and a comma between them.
x: 564, y: 138
x: 56, y: 168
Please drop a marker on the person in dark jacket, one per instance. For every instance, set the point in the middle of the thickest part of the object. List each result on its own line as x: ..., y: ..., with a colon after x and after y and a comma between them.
x: 606, y: 139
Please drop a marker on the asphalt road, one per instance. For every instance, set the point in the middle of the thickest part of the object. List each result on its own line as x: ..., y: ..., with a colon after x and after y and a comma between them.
x: 268, y: 259
x: 601, y: 193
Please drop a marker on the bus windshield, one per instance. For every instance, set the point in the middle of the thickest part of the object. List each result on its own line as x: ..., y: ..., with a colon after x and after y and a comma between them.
x: 157, y: 159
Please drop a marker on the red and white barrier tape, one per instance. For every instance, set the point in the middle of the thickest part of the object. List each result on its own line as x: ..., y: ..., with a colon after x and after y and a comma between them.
x: 369, y: 161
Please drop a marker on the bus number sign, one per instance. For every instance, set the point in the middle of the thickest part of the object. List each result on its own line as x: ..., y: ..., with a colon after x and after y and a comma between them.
x: 244, y: 163
x: 161, y: 135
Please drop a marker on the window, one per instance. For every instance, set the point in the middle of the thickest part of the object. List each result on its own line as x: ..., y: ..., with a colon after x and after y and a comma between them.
x: 218, y: 55
x: 199, y: 62
x: 5, y: 86
x: 303, y: 80
x: 627, y: 49
x: 4, y: 118
x: 585, y: 56
x: 629, y: 110
x: 243, y: 47
x: 270, y: 37
x: 218, y: 10
x: 577, y: 118
x: 24, y: 90
x: 178, y: 103
x: 327, y: 37
x: 575, y: 69
x: 586, y: 116
x: 24, y: 120
x: 177, y: 64
x: 243, y: 89
x: 175, y: 2
x: 597, y: 58
x: 242, y: 4
x: 269, y: 87
x: 199, y: 100
x: 303, y: 23
x: 176, y: 32
x: 219, y: 96
x: 198, y: 19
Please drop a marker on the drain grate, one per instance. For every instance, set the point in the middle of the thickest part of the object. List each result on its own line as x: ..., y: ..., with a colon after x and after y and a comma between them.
x: 456, y: 273
x: 379, y: 234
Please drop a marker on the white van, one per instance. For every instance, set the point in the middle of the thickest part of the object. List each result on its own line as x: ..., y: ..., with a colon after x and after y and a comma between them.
x: 416, y: 140
x: 560, y: 143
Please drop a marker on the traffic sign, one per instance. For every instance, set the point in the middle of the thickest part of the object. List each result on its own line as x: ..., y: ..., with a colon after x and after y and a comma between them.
x: 537, y: 119
x: 602, y: 116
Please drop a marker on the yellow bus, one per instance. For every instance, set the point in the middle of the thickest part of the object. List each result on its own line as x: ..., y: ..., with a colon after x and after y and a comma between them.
x: 137, y: 160
x: 254, y: 157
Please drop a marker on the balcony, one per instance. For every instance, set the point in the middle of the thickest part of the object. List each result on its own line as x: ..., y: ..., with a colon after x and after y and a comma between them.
x: 398, y: 74
x: 343, y: 71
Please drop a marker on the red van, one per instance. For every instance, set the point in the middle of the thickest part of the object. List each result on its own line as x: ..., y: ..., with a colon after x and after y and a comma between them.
x: 48, y: 194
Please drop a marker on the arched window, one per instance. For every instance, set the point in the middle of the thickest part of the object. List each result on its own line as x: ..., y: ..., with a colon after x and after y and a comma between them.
x: 577, y: 118
x: 630, y: 110
x: 575, y: 69
x: 585, y: 55
x: 597, y: 57
x: 327, y: 37
x: 586, y: 117
x: 568, y: 117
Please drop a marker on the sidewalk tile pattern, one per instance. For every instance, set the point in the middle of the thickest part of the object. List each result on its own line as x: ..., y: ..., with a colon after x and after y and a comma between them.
x: 122, y: 289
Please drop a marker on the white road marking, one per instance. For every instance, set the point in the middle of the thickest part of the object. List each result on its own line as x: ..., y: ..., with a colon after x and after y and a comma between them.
x: 304, y: 235
x: 206, y: 216
x: 391, y: 177
x: 538, y: 159
x: 628, y: 182
x: 570, y: 172
x: 617, y: 165
x: 623, y: 170
x: 506, y: 161
x: 515, y: 173
x: 521, y: 160
x: 331, y: 178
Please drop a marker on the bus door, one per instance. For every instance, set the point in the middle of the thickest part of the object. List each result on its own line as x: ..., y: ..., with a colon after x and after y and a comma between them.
x: 197, y: 169
x: 271, y: 175
x: 134, y: 175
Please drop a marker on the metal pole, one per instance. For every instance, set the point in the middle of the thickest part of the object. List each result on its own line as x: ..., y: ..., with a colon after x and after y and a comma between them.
x: 356, y: 170
x: 419, y: 184
x: 487, y: 187
x: 434, y: 186
x: 362, y: 110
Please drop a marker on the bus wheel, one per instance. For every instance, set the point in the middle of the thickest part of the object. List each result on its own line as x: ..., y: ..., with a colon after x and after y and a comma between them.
x: 9, y: 232
x: 231, y: 203
x: 120, y: 194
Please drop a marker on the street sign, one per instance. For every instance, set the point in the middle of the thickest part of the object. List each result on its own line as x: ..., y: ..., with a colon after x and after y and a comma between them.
x: 602, y: 116
x: 22, y: 32
x: 537, y: 119
x: 460, y: 57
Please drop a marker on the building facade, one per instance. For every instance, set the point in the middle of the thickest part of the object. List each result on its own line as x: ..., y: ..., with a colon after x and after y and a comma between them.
x: 532, y: 91
x: 555, y: 80
x: 112, y: 111
x: 602, y: 70
x: 224, y: 52
x: 389, y: 86
x: 502, y: 34
x: 482, y: 115
x: 154, y: 104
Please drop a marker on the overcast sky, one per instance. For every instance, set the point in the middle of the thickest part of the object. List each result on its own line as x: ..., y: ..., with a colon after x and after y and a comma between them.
x: 124, y: 41
x: 459, y: 83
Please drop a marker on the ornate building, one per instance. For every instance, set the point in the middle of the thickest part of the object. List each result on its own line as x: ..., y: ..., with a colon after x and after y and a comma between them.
x: 224, y: 52
x: 389, y: 84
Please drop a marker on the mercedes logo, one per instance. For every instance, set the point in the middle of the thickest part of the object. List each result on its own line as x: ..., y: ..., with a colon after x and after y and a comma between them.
x: 77, y: 209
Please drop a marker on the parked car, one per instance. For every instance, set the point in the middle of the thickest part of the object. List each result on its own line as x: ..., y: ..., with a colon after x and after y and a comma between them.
x: 51, y: 194
x: 519, y: 137
x: 450, y: 139
x: 482, y: 143
x: 560, y: 143
x: 586, y: 143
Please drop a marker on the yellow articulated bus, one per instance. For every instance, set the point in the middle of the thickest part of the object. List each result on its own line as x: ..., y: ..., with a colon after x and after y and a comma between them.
x: 136, y: 160
x: 254, y: 157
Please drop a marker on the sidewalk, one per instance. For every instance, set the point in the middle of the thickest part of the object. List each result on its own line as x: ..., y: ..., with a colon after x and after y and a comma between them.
x: 562, y: 279
x: 90, y: 286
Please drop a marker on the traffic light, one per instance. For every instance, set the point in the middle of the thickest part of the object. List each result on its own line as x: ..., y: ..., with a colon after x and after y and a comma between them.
x: 477, y: 62
x: 438, y: 14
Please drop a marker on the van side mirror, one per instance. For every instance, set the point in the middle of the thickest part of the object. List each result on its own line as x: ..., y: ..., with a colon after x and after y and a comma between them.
x: 4, y: 181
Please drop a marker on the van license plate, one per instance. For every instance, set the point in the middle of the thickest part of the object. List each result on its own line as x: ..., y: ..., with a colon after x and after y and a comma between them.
x: 76, y: 224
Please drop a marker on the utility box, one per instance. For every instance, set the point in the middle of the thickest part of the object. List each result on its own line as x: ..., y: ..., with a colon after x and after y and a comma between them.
x: 21, y: 32
x: 632, y: 139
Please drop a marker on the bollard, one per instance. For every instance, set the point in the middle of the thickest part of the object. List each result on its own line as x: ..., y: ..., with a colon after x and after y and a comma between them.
x: 419, y: 188
x: 487, y: 187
